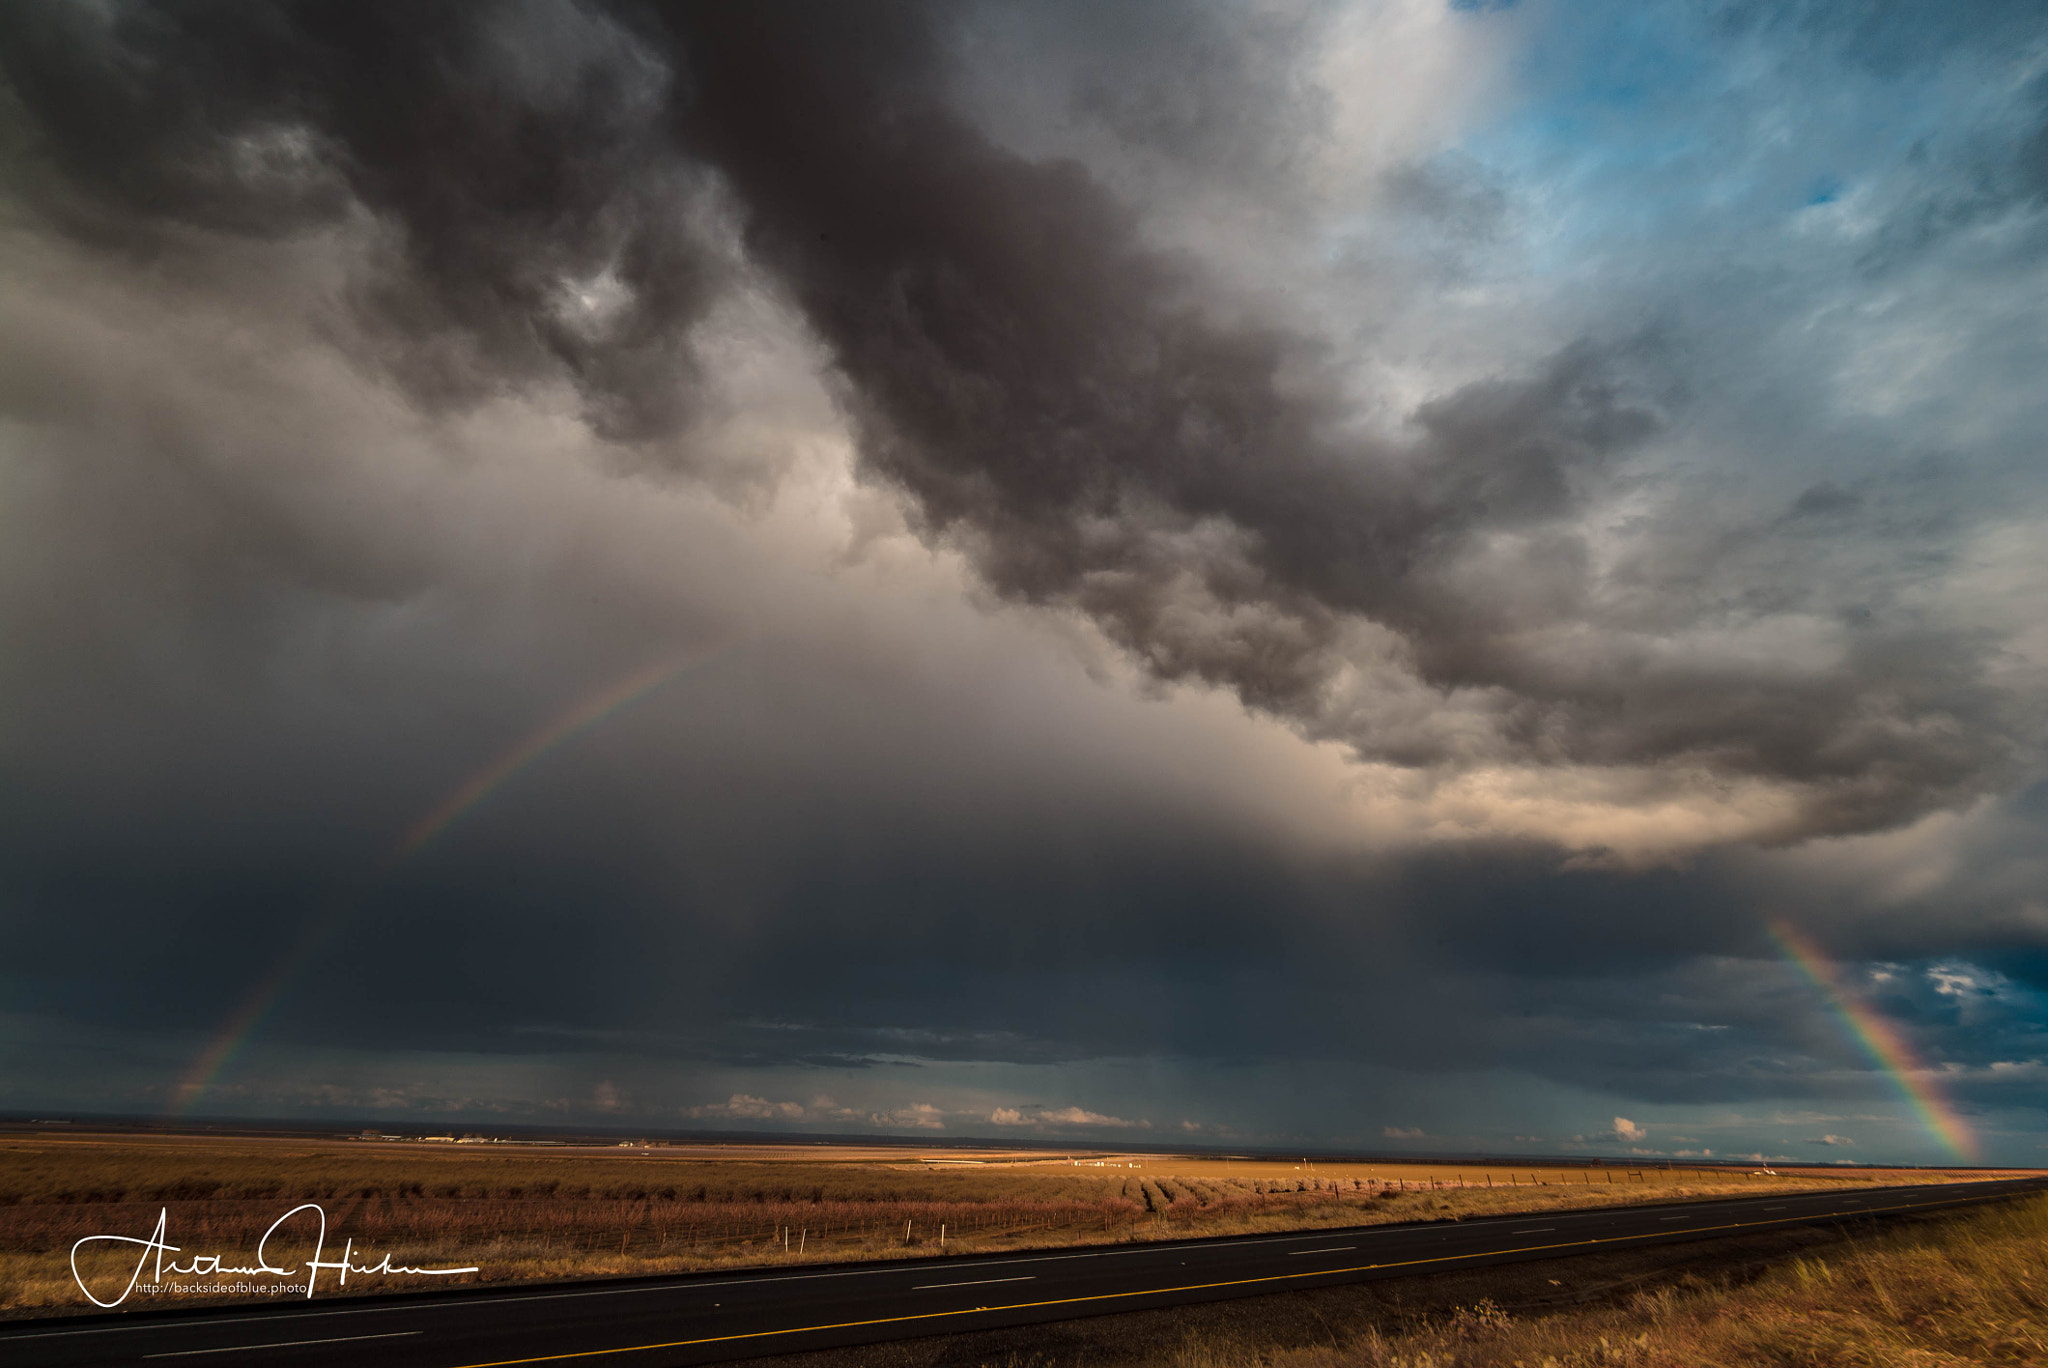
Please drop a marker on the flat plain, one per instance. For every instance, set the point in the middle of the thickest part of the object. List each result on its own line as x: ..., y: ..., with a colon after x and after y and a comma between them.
x: 524, y: 1212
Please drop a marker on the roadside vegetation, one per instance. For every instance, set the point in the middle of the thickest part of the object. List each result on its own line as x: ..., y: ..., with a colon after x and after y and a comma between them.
x: 1966, y: 1289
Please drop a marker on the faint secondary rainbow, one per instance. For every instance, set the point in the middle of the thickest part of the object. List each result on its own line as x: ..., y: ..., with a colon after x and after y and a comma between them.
x: 269, y: 990
x: 1882, y: 1040
x: 580, y: 718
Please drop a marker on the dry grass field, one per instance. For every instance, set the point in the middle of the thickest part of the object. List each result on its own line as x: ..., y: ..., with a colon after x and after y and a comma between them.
x: 1967, y: 1289
x: 521, y: 1213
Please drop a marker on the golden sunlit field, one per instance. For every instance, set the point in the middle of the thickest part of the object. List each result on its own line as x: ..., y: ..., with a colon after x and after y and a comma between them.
x: 522, y: 1212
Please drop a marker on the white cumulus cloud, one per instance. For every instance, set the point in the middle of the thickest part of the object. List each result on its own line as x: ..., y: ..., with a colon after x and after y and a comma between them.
x: 746, y: 1105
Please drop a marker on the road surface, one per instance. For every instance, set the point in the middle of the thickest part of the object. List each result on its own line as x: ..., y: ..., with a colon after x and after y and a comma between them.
x: 711, y: 1318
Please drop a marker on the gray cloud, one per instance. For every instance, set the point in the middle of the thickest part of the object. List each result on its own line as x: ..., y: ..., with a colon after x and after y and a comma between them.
x: 1058, y: 401
x: 1056, y: 396
x: 534, y: 221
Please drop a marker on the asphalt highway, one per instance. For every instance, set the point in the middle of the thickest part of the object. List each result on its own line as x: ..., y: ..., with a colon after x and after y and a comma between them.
x: 712, y: 1318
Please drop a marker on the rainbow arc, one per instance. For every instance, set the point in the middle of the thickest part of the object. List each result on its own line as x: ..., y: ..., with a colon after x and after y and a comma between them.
x: 1883, y: 1041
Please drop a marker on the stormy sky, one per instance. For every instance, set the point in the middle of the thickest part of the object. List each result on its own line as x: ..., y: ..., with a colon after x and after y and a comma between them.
x: 1283, y: 573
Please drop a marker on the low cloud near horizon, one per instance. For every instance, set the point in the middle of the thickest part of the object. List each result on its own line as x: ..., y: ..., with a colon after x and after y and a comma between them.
x: 1302, y: 574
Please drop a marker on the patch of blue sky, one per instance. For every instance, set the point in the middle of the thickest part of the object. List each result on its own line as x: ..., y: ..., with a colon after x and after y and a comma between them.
x: 1663, y: 123
x: 1824, y: 190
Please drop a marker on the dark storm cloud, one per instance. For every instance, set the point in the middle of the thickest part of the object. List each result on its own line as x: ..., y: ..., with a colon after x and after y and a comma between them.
x: 903, y: 945
x: 1057, y: 396
x: 511, y: 150
x: 1052, y: 391
x: 252, y: 639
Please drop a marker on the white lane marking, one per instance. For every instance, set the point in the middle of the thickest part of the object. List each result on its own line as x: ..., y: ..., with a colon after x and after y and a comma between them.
x: 978, y: 1282
x: 1533, y: 1230
x: 1671, y: 1218
x: 1333, y: 1249
x: 286, y: 1344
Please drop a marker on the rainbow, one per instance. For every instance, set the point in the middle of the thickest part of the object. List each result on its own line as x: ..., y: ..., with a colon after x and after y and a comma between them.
x: 1883, y: 1041
x: 255, y: 1005
x: 268, y: 990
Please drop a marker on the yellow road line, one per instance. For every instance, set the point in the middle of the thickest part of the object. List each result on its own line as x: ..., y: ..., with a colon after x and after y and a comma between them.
x: 1164, y: 1291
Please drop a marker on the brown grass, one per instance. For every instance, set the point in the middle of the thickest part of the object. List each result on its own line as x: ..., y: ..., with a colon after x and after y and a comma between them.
x: 1968, y: 1289
x: 527, y: 1214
